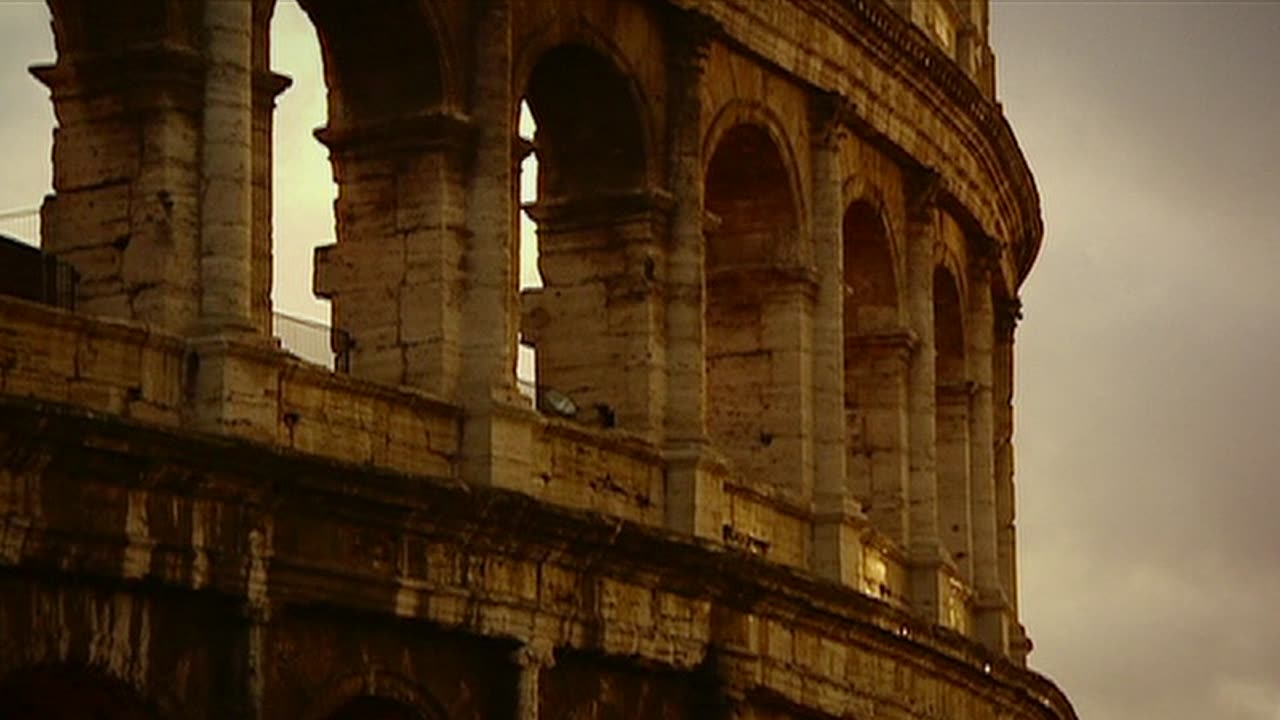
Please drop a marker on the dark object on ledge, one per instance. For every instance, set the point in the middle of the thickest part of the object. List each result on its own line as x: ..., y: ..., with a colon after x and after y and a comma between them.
x: 30, y: 274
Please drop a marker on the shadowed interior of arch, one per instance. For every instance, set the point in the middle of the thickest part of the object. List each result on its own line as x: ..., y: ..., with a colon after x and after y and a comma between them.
x: 875, y: 391
x: 68, y: 693
x: 752, y: 361
x: 953, y: 398
x: 375, y: 59
x: 591, y: 212
x: 588, y: 136
x: 374, y: 708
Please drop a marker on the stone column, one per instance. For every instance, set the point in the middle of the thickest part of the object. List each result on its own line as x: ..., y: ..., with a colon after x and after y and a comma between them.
x: 531, y: 660
x: 925, y: 553
x: 597, y: 323
x: 694, y: 477
x: 1007, y: 314
x: 498, y: 425
x: 876, y: 393
x: 126, y: 173
x: 491, y: 305
x: 991, y: 605
x: 954, y: 489
x: 838, y: 517
x: 226, y: 211
x: 267, y: 86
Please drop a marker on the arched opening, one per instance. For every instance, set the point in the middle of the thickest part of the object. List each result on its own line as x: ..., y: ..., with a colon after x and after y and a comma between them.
x: 27, y: 137
x: 588, y: 131
x: 382, y: 60
x: 953, y: 399
x: 758, y: 309
x: 530, y: 277
x: 876, y: 351
x: 593, y: 317
x: 68, y: 693
x: 302, y: 191
x: 398, y: 154
x: 374, y: 708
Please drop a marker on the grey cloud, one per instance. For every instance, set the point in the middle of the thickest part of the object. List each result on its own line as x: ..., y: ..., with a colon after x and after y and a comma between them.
x: 1148, y: 455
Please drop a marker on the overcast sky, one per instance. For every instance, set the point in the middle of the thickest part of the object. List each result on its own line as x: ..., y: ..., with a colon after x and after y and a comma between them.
x: 1147, y: 395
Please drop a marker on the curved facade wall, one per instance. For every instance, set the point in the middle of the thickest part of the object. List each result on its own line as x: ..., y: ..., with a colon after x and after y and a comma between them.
x: 768, y: 473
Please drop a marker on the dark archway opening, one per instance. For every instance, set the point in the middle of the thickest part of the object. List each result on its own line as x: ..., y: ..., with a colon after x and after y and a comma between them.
x: 68, y: 693
x: 593, y: 314
x: 875, y: 353
x: 755, y: 309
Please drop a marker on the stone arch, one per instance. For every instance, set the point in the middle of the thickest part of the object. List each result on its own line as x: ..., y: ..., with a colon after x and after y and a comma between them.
x: 84, y: 28
x: 383, y: 61
x: 576, y: 78
x: 375, y: 694
x: 876, y: 350
x: 759, y: 299
x: 769, y: 130
x: 953, y: 399
x: 69, y: 692
x: 858, y: 190
x: 872, y: 287
x: 590, y: 124
x: 595, y: 324
x: 399, y: 151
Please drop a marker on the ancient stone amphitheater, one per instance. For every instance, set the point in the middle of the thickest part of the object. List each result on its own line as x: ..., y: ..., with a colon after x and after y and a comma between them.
x: 768, y: 473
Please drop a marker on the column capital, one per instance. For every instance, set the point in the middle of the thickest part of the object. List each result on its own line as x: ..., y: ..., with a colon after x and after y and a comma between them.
x: 988, y: 251
x: 924, y: 187
x: 902, y: 342
x: 691, y: 34
x: 434, y: 130
x: 535, y: 654
x: 830, y: 114
x: 1008, y: 312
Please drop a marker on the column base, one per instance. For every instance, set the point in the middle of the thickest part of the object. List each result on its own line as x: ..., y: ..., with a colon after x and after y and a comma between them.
x: 497, y: 445
x: 929, y: 570
x: 837, y: 542
x: 991, y: 614
x: 234, y: 385
x: 695, y: 496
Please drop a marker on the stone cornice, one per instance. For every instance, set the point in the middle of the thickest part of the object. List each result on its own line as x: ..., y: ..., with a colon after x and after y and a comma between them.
x: 258, y: 483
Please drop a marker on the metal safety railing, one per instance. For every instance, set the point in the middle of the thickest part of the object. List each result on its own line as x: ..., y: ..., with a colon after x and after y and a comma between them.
x: 313, y: 341
x: 22, y: 225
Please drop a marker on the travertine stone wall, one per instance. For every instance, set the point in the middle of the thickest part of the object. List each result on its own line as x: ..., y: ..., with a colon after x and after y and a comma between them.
x: 780, y: 242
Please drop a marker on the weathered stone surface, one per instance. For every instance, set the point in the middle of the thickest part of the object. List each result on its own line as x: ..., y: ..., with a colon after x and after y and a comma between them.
x: 780, y: 244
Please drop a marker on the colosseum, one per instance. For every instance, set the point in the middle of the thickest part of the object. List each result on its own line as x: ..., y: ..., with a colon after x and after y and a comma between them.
x: 766, y: 469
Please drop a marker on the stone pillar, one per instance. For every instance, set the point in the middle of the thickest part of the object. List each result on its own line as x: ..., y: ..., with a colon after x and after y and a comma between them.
x: 226, y: 173
x: 597, y: 322
x: 838, y: 520
x: 394, y: 272
x: 954, y: 491
x: 991, y: 605
x: 531, y: 660
x: 876, y: 395
x: 267, y: 86
x: 925, y: 554
x: 126, y: 159
x: 491, y: 304
x: 694, y: 475
x: 1007, y: 314
x: 497, y: 437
